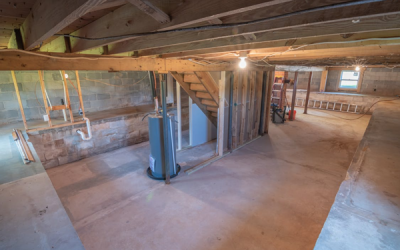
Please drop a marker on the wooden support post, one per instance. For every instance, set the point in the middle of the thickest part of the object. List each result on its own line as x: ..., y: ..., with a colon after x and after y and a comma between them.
x: 236, y: 79
x: 221, y: 113
x: 322, y: 84
x: 179, y: 114
x: 244, y: 104
x: 78, y: 81
x: 251, y: 105
x: 293, y: 96
x: 259, y: 76
x: 308, y: 93
x: 44, y: 96
x: 21, y: 108
x: 270, y: 83
x: 67, y: 94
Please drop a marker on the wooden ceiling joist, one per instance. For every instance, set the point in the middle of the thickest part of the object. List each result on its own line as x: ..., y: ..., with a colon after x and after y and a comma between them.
x: 370, y: 16
x: 20, y: 60
x: 151, y: 10
x: 48, y: 17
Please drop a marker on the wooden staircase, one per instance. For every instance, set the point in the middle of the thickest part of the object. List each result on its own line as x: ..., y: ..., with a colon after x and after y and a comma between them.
x: 203, y: 91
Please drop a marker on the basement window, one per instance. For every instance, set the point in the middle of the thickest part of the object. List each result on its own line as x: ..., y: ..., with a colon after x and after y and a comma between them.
x: 349, y: 79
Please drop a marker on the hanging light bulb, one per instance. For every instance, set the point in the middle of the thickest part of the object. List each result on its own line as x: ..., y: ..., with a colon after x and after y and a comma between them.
x: 243, y: 56
x: 66, y: 75
x: 242, y: 63
x: 358, y: 68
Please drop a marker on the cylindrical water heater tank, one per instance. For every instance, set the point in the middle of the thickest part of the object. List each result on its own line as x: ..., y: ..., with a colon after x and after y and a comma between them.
x: 157, y: 161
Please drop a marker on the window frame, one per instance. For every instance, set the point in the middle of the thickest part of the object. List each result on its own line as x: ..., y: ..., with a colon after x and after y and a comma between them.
x: 356, y: 89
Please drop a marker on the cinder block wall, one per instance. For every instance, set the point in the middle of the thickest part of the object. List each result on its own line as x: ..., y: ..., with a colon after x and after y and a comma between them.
x: 302, y: 80
x: 376, y: 81
x: 107, y: 91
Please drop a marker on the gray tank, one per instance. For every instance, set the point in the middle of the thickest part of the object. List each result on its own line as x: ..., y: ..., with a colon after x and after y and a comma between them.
x: 157, y: 163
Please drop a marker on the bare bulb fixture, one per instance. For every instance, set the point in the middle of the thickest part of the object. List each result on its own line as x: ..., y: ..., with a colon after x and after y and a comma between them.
x: 358, y: 68
x: 66, y: 75
x: 242, y: 63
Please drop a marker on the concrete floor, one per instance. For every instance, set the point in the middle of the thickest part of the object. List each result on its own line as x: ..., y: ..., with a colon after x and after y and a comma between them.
x: 274, y: 193
x: 366, y: 212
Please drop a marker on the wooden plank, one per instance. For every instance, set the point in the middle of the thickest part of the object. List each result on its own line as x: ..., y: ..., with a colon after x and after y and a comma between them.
x: 55, y: 126
x: 308, y: 93
x: 192, y: 78
x: 21, y: 108
x: 244, y: 107
x: 221, y: 113
x: 322, y: 84
x: 71, y: 115
x: 302, y: 23
x: 209, y: 83
x: 258, y: 102
x: 251, y: 124
x: 293, y: 97
x: 42, y: 87
x: 58, y: 107
x: 151, y: 10
x: 209, y: 103
x: 48, y: 17
x: 192, y: 95
x: 212, y: 109
x: 360, y: 80
x: 21, y: 60
x: 25, y: 146
x: 236, y: 79
x: 204, y: 95
x: 214, y: 114
x: 270, y: 83
x: 197, y: 87
x: 78, y: 81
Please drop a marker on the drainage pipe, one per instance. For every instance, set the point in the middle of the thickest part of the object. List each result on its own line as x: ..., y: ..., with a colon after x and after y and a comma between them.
x: 83, y: 136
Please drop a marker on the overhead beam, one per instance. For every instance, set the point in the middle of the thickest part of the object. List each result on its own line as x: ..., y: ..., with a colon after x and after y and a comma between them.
x: 332, y: 20
x: 225, y: 45
x: 21, y: 60
x: 48, y: 17
x: 151, y: 10
x: 123, y: 20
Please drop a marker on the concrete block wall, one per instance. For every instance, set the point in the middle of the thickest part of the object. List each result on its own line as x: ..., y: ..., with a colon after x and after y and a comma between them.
x: 107, y: 91
x: 302, y: 80
x: 59, y: 146
x: 376, y: 81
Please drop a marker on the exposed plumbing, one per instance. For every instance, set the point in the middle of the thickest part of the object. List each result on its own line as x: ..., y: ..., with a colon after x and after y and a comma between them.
x: 83, y: 135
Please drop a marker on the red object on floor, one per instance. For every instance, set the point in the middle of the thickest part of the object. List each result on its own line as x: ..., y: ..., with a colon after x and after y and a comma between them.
x: 294, y: 114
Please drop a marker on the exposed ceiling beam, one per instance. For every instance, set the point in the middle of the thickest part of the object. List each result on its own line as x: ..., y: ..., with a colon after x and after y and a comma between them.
x: 23, y: 60
x: 108, y: 4
x: 382, y: 12
x: 47, y: 17
x: 348, y: 40
x: 151, y: 10
x: 128, y: 19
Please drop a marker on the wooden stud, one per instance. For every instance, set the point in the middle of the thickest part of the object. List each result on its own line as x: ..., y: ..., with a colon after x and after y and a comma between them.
x: 322, y: 84
x: 308, y: 93
x: 360, y: 80
x: 236, y: 80
x: 78, y: 81
x: 244, y: 105
x: 293, y: 96
x: 71, y: 115
x: 44, y: 96
x: 21, y: 108
x: 221, y: 113
x: 270, y: 83
x: 258, y: 102
x: 251, y: 105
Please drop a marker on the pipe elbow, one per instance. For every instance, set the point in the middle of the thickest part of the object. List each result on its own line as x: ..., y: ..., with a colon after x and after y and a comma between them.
x: 83, y: 135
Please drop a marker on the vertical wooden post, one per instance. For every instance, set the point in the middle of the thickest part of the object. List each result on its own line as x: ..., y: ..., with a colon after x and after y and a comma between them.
x: 270, y: 83
x: 80, y: 92
x: 44, y: 96
x: 251, y: 104
x: 308, y: 93
x: 21, y: 108
x: 259, y: 83
x: 221, y: 113
x: 67, y: 94
x: 179, y: 114
x: 293, y: 96
x: 236, y: 79
x: 244, y: 105
x: 322, y: 84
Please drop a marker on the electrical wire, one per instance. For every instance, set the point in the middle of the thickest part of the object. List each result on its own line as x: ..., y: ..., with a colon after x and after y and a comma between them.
x: 218, y: 26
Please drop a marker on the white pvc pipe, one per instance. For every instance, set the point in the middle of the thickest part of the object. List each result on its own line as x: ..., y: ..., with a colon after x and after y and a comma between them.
x: 83, y: 136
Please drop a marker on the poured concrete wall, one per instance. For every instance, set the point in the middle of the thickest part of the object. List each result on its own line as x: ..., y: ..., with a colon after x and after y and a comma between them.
x: 101, y: 90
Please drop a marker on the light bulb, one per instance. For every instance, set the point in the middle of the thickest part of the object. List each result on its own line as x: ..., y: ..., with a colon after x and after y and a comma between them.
x: 242, y: 63
x: 66, y: 75
x: 358, y: 68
